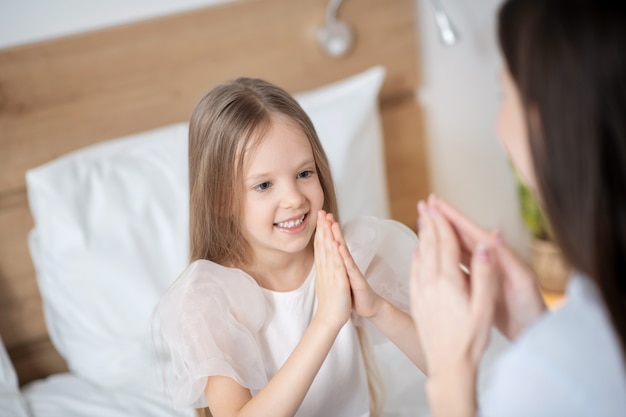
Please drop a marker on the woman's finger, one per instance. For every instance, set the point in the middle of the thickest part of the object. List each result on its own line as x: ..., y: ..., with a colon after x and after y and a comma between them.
x: 484, y: 292
x: 484, y: 284
x: 428, y: 244
x: 449, y: 251
x: 469, y: 233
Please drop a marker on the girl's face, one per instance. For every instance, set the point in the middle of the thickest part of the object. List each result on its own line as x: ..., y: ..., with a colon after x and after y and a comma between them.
x: 282, y: 193
x: 512, y: 130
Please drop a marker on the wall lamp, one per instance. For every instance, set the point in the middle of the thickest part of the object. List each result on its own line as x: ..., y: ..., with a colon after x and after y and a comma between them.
x: 447, y: 32
x: 335, y: 38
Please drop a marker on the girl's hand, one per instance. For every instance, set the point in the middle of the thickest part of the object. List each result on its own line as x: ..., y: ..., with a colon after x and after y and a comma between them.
x: 521, y: 303
x: 453, y: 315
x: 392, y: 322
x: 331, y: 283
x: 365, y: 301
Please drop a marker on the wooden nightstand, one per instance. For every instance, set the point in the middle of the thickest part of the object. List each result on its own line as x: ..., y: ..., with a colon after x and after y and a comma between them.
x: 553, y: 299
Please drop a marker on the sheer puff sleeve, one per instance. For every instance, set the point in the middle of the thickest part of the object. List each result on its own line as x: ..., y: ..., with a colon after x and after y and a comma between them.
x: 382, y: 250
x: 209, y: 320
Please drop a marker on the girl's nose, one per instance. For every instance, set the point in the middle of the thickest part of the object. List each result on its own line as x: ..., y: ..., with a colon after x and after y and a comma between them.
x: 292, y: 197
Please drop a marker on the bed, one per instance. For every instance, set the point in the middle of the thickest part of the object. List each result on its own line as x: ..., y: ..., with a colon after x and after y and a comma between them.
x: 136, y: 84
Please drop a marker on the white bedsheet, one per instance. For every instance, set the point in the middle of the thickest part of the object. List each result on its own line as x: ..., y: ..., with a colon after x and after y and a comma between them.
x: 66, y: 395
x: 12, y: 404
x: 404, y: 383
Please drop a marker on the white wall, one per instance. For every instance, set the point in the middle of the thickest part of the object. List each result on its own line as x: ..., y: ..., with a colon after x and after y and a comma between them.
x: 25, y: 21
x: 459, y: 92
x: 460, y: 97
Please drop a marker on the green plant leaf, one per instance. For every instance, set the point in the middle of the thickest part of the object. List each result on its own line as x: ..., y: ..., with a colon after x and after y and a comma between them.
x: 532, y: 215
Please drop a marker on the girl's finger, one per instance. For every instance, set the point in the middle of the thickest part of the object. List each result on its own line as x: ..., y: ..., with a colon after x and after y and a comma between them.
x: 337, y: 259
x: 328, y: 240
x: 352, y: 268
x: 319, y: 243
x: 337, y: 234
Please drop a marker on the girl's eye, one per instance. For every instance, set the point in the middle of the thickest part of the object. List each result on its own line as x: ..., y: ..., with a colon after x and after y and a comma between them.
x: 305, y: 174
x: 263, y: 186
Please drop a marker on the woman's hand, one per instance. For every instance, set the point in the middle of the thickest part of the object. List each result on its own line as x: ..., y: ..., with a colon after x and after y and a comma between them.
x: 365, y: 301
x: 453, y: 315
x: 521, y: 302
x: 331, y: 284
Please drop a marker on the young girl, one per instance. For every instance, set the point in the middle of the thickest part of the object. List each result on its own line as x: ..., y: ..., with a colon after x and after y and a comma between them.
x: 260, y: 323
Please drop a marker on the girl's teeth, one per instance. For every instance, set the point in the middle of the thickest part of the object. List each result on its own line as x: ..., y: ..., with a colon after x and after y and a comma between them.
x: 290, y: 224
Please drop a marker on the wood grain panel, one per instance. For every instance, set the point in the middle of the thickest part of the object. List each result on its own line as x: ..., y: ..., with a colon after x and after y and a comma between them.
x: 59, y: 95
x: 21, y: 317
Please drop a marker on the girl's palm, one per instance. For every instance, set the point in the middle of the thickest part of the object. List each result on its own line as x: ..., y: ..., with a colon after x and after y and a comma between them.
x: 365, y: 301
x: 331, y: 284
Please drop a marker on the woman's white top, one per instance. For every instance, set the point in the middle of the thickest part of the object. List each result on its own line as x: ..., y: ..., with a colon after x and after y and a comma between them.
x: 567, y: 364
x: 218, y: 321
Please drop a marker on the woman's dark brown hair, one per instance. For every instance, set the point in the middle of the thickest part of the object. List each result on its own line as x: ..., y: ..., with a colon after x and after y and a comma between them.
x: 568, y: 60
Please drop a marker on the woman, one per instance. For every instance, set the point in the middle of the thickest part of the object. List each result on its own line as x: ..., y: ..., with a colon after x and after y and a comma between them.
x: 563, y: 123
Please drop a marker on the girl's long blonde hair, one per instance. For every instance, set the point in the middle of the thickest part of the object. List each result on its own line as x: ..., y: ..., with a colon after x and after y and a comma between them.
x: 228, y: 121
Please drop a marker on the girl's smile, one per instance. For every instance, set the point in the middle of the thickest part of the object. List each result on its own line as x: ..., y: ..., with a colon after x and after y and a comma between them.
x: 293, y: 225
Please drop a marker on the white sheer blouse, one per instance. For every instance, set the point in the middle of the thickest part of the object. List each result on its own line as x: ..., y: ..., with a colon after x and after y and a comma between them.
x: 216, y: 320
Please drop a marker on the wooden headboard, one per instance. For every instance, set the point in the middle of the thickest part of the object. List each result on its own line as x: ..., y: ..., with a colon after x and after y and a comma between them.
x: 63, y: 94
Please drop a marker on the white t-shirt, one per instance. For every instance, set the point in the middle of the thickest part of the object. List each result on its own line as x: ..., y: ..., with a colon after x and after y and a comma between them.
x: 218, y: 321
x: 567, y: 364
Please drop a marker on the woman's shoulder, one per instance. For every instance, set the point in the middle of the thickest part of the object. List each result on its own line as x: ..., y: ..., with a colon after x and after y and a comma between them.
x: 569, y: 357
x: 578, y: 334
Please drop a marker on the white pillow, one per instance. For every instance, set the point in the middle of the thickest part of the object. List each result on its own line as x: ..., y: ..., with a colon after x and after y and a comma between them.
x: 111, y: 228
x: 67, y: 395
